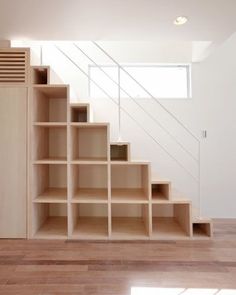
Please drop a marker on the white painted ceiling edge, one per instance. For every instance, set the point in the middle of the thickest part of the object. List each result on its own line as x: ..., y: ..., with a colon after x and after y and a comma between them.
x: 210, y: 22
x: 152, y: 20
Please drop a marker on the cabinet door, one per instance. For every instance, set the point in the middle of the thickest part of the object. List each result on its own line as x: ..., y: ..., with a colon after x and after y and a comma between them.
x: 13, y: 162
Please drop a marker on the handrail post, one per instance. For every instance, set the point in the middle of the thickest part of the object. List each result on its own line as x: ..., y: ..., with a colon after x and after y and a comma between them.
x: 119, y: 106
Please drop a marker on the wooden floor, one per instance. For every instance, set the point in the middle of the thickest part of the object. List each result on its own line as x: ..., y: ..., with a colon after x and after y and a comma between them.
x: 59, y: 267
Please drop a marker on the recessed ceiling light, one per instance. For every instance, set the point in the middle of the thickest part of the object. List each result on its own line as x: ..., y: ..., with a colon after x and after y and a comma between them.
x: 180, y: 20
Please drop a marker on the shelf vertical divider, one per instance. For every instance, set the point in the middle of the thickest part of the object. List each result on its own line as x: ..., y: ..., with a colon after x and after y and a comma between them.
x: 109, y: 183
x: 30, y: 167
x: 69, y: 168
x: 149, y: 202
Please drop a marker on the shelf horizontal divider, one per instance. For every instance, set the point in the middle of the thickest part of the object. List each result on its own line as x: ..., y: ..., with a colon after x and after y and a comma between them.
x: 128, y: 195
x: 90, y: 195
x: 52, y: 195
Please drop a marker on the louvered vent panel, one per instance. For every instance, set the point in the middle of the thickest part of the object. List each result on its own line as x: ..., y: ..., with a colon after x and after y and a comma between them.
x: 13, y: 66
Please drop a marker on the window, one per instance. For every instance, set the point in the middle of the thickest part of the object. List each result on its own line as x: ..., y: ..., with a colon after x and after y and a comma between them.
x: 162, y: 81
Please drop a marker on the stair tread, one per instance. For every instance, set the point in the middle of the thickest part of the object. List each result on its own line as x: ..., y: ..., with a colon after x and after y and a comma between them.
x: 138, y: 162
x: 202, y: 220
x: 160, y: 181
x: 36, y: 67
x: 52, y: 85
x: 89, y: 124
x: 119, y: 142
x: 79, y: 104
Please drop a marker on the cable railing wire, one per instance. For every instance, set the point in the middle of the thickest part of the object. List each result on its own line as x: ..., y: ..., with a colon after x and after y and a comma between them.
x: 127, y: 113
x: 140, y: 85
x: 138, y: 104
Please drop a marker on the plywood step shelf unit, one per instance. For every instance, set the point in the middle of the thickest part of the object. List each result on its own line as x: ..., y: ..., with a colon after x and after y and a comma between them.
x: 82, y: 186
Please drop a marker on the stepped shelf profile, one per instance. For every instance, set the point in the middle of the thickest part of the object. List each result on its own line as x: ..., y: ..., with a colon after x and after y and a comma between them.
x: 82, y: 186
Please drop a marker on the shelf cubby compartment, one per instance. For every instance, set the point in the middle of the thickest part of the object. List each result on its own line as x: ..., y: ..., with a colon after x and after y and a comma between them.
x: 130, y: 183
x: 130, y: 221
x: 49, y: 183
x: 171, y: 220
x: 49, y: 103
x: 50, y: 143
x: 89, y: 183
x: 49, y: 221
x: 89, y: 142
x: 89, y: 221
x: 161, y: 190
x: 120, y: 151
x: 202, y: 228
x: 79, y: 113
x: 40, y: 75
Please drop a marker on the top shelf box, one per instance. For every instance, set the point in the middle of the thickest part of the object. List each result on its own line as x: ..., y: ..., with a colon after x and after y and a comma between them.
x: 40, y: 75
x: 50, y: 103
x: 80, y: 113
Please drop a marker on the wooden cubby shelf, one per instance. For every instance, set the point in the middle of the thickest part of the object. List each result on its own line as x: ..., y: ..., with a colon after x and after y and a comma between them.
x: 160, y: 190
x: 130, y: 183
x: 130, y: 221
x: 171, y: 221
x: 82, y: 186
x: 202, y: 229
x: 89, y: 183
x: 52, y: 187
x: 89, y: 142
x: 50, y: 143
x: 49, y: 103
x: 120, y: 151
x: 39, y: 75
x: 80, y: 113
x: 50, y: 221
x: 89, y: 221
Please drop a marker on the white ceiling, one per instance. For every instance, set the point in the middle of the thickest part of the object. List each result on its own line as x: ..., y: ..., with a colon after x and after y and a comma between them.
x: 209, y: 20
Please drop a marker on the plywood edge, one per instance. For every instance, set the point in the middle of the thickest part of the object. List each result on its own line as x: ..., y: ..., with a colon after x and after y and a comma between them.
x: 147, y: 163
x: 89, y: 125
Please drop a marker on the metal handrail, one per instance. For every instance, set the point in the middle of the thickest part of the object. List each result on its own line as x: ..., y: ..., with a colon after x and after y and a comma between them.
x: 167, y: 111
x: 138, y: 104
x: 140, y: 85
x: 127, y: 113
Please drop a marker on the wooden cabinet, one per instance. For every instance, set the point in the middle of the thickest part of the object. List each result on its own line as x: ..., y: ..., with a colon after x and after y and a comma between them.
x: 13, y: 159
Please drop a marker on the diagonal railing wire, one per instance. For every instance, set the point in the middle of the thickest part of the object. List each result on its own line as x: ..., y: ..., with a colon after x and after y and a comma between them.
x: 144, y: 89
x: 156, y: 101
x: 127, y: 113
x: 138, y: 104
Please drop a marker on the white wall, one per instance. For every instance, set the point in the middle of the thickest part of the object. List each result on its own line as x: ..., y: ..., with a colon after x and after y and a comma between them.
x: 212, y: 108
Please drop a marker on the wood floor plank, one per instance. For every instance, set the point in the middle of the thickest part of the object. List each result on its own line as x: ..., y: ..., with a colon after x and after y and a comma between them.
x: 41, y: 267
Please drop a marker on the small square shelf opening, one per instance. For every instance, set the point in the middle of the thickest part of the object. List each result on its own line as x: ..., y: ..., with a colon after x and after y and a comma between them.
x: 50, y: 143
x: 49, y: 183
x: 49, y: 221
x: 171, y: 221
x: 40, y: 75
x: 201, y: 229
x: 130, y: 183
x: 160, y: 191
x: 130, y: 221
x: 119, y: 152
x: 90, y: 183
x: 89, y: 221
x: 79, y: 114
x: 90, y: 143
x: 50, y: 104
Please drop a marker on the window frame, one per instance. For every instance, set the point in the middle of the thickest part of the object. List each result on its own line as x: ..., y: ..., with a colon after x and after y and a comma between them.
x: 188, y: 67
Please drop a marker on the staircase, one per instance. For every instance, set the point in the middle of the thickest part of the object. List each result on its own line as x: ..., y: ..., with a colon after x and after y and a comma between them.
x: 82, y: 186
